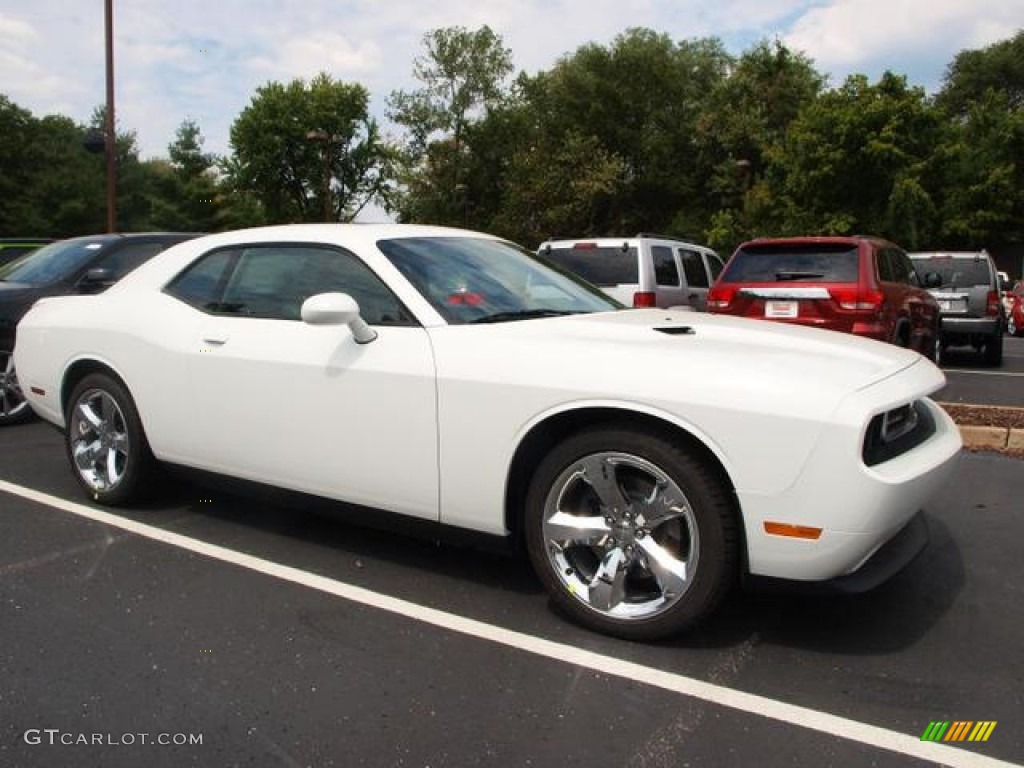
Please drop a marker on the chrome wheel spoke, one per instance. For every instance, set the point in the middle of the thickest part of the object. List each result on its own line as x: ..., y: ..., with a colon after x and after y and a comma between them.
x: 608, y: 588
x: 659, y: 509
x: 568, y: 530
x: 86, y: 412
x: 600, y: 474
x: 87, y: 454
x: 113, y: 472
x: 669, y: 571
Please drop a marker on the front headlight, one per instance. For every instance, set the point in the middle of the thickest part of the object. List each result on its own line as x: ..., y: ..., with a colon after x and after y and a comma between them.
x: 897, y: 431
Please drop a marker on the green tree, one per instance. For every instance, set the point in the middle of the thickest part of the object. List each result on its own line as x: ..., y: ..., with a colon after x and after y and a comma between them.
x: 972, y: 73
x: 636, y: 104
x: 188, y: 197
x: 462, y: 74
x: 859, y: 159
x: 746, y: 118
x: 279, y: 161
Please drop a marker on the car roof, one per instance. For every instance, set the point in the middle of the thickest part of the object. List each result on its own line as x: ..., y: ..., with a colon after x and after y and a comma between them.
x: 949, y: 255
x: 617, y: 241
x: 815, y: 240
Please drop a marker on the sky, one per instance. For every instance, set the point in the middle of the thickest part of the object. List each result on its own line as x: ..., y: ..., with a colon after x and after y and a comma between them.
x: 203, y: 60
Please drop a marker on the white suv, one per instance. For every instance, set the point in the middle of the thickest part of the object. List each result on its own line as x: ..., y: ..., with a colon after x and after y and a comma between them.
x: 641, y: 271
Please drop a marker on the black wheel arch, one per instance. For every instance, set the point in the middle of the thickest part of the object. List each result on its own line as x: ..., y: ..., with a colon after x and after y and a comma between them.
x: 551, y: 431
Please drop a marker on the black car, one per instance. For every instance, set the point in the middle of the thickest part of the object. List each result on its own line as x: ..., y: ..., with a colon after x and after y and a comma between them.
x: 78, y: 265
x: 12, y: 248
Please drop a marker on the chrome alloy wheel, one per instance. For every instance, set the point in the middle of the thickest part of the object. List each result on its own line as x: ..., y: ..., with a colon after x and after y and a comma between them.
x: 621, y: 535
x: 12, y: 401
x: 99, y: 440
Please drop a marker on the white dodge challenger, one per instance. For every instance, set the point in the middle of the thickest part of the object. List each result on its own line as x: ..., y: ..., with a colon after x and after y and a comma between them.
x: 647, y: 459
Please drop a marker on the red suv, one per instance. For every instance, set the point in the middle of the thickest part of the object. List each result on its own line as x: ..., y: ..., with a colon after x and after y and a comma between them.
x: 861, y: 285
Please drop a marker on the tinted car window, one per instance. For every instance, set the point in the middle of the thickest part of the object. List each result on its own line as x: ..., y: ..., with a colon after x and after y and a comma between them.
x: 602, y: 266
x: 52, y: 263
x: 274, y: 281
x: 665, y: 271
x: 693, y: 267
x: 781, y: 262
x: 959, y: 273
x: 715, y: 265
x: 202, y: 284
x: 123, y: 260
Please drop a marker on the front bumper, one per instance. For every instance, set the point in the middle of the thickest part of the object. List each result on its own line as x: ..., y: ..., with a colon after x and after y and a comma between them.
x: 891, y: 558
x: 858, y: 508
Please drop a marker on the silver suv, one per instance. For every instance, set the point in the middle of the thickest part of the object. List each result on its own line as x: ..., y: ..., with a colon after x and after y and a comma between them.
x: 642, y: 271
x: 967, y: 287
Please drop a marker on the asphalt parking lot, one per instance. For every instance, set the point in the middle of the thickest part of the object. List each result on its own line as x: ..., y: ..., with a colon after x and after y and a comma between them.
x: 969, y: 380
x: 281, y: 637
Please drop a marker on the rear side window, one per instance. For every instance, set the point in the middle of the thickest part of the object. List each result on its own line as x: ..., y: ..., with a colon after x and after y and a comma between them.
x: 693, y: 268
x: 956, y: 273
x: 793, y: 262
x: 665, y: 271
x: 599, y: 265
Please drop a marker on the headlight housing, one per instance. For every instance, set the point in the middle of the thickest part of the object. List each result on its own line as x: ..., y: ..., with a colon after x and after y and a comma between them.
x: 897, y: 431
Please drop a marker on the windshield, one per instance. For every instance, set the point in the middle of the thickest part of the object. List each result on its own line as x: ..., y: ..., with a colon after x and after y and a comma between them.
x: 953, y: 272
x: 789, y: 262
x: 51, y: 262
x: 478, y: 280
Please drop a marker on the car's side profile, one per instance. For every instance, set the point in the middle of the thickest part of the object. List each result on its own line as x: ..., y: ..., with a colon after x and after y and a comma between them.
x: 860, y: 285
x: 454, y: 378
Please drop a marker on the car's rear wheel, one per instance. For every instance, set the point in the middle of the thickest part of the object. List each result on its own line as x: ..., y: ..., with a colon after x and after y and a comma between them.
x: 994, y: 349
x: 14, y: 408
x: 105, y: 442
x: 631, y: 534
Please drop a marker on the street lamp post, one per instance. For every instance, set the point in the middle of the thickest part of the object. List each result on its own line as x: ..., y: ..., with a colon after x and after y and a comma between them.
x: 328, y: 139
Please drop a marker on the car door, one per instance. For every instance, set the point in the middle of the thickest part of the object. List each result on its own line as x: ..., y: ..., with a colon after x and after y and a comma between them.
x: 696, y: 275
x: 306, y: 407
x: 668, y: 285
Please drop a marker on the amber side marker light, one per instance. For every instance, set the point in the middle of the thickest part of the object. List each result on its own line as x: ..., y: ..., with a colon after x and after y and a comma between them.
x: 38, y: 391
x: 792, y: 531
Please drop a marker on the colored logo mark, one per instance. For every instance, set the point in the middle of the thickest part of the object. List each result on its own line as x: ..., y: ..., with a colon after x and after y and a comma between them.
x: 958, y: 730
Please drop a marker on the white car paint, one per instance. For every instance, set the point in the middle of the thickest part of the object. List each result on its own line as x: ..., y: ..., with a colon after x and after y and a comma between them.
x: 425, y: 421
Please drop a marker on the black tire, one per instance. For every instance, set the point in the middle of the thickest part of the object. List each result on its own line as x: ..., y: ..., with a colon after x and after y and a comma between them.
x: 697, y: 534
x: 14, y: 408
x: 994, y: 350
x: 115, y: 464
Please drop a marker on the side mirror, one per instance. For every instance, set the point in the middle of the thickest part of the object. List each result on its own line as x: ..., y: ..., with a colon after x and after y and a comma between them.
x: 96, y: 280
x: 932, y: 280
x: 337, y: 309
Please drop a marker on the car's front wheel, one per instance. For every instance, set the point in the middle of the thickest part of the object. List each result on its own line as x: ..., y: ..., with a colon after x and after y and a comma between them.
x: 14, y: 408
x: 632, y: 534
x: 105, y: 442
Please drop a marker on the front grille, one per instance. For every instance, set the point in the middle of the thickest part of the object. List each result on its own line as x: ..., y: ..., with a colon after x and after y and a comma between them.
x: 895, y: 432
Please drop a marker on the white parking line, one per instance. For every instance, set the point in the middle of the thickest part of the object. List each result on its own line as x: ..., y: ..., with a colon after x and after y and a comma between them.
x: 748, y: 703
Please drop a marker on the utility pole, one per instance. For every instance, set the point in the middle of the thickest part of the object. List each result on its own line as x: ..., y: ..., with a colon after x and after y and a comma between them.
x: 111, y: 146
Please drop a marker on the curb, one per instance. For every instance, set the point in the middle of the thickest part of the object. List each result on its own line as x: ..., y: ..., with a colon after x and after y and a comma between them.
x: 1002, y: 439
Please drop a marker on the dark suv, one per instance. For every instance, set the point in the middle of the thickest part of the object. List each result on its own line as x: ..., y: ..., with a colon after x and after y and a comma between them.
x: 967, y: 287
x: 861, y: 285
x: 78, y: 265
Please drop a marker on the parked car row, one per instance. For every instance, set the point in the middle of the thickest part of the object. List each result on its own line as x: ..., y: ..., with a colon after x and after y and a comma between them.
x: 861, y: 285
